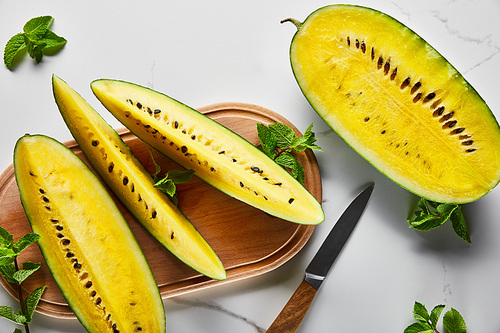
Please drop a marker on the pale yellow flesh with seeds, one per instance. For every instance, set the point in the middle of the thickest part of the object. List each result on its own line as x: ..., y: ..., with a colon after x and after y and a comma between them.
x: 80, y: 224
x: 434, y: 136
x: 153, y: 209
x: 218, y: 155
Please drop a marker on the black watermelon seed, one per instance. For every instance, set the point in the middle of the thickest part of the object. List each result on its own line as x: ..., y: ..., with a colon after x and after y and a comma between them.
x: 156, y: 111
x: 291, y: 200
x: 468, y: 142
x: 95, y: 143
x: 255, y: 169
x: 125, y: 181
x: 348, y: 41
x: 184, y: 149
x: 45, y: 199
x: 373, y: 53
x: 380, y: 62
x: 430, y: 96
x: 139, y: 105
x: 405, y: 83
x: 367, y: 118
x: 212, y: 169
x: 88, y: 284
x: 363, y: 47
x: 265, y: 197
x: 54, y: 220
x: 66, y: 242
x: 222, y: 152
x: 278, y: 184
x: 60, y: 235
x: 357, y: 43
x: 172, y: 235
x: 416, y: 86
x: 265, y: 178
x: 153, y: 215
x: 59, y: 227
x: 255, y: 192
x: 149, y: 110
x: 98, y: 301
x: 458, y: 130
x: 77, y: 265
x: 241, y: 184
x: 110, y: 167
x: 470, y: 150
x: 176, y: 124
x: 114, y: 326
x: 234, y: 160
x: 42, y: 191
x: 438, y: 112
x: 69, y: 255
x: 193, y: 137
x: 383, y: 132
x: 108, y: 317
x: 394, y: 73
x: 417, y: 97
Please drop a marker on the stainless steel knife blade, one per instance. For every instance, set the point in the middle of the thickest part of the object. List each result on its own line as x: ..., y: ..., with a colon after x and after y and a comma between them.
x: 296, y: 308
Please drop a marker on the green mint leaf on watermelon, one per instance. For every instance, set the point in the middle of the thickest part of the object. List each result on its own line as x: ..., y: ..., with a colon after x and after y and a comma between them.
x: 278, y: 141
x: 167, y: 183
x: 453, y: 322
x: 37, y: 39
x: 430, y: 215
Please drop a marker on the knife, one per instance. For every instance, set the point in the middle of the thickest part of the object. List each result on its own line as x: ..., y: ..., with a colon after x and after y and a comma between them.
x: 295, y: 310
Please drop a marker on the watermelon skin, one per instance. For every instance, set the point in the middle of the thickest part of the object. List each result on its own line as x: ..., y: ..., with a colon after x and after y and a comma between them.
x: 397, y: 102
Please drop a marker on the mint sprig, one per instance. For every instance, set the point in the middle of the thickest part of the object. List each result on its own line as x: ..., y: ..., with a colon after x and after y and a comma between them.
x: 426, y: 322
x: 9, y: 268
x: 278, y: 141
x: 167, y: 182
x: 36, y: 39
x: 431, y: 215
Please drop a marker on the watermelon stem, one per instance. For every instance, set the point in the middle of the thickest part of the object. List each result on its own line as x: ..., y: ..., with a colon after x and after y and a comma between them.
x: 295, y: 22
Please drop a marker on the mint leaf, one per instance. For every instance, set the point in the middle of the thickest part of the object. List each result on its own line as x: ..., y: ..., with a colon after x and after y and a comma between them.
x: 52, y: 41
x: 420, y: 312
x: 167, y: 186
x: 305, y: 141
x: 36, y: 38
x: 454, y: 322
x: 279, y: 140
x: 157, y: 168
x: 419, y: 327
x: 25, y: 241
x: 431, y: 215
x: 284, y: 135
x: 267, y: 140
x: 435, y: 314
x: 459, y: 225
x: 8, y: 271
x: 6, y: 239
x: 37, y: 26
x: 32, y: 302
x: 17, y: 330
x: 28, y: 269
x: 8, y: 313
x: 13, y: 49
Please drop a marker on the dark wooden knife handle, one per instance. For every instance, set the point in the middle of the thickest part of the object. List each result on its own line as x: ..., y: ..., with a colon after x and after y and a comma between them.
x: 295, y: 310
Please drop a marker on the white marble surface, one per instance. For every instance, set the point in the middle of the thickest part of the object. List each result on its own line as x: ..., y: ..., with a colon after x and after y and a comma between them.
x: 202, y: 52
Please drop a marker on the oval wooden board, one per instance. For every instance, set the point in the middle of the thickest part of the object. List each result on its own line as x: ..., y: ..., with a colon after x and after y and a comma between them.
x: 248, y: 241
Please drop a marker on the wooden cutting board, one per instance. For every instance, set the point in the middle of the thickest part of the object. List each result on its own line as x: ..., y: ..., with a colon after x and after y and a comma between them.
x: 248, y: 241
